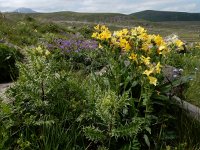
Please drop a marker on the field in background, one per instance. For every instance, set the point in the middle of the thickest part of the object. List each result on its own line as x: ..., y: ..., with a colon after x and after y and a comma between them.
x: 189, y: 31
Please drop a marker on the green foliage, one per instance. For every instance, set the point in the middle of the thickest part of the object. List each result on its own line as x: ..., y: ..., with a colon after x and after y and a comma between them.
x: 89, y: 100
x: 20, y: 33
x: 29, y: 19
x: 133, y: 145
x: 27, y: 30
x: 109, y: 118
x: 189, y: 62
x: 113, y: 109
x: 86, y: 31
x: 94, y: 134
x: 46, y: 99
x: 49, y: 28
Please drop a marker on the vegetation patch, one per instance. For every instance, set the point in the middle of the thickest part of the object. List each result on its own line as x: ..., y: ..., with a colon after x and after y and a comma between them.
x: 94, y: 88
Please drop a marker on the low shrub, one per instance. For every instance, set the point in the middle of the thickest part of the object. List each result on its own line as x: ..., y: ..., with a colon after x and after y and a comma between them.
x: 50, y: 28
x: 47, y: 101
x: 135, y: 61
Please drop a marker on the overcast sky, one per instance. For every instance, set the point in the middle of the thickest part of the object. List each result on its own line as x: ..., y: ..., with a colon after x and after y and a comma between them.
x: 120, y: 6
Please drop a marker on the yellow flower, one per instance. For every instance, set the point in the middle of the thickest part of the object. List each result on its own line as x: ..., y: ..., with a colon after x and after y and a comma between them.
x: 125, y: 31
x: 147, y: 47
x: 148, y: 72
x: 97, y: 27
x: 100, y: 46
x: 39, y: 50
x: 158, y: 67
x: 117, y: 33
x: 114, y: 40
x: 151, y: 37
x: 158, y: 40
x: 124, y: 44
x: 103, y: 27
x: 127, y: 47
x: 161, y: 48
x: 140, y: 30
x: 47, y: 53
x: 105, y: 35
x: 143, y: 36
x: 133, y: 57
x: 179, y: 43
x: 145, y: 60
x: 94, y: 35
x: 152, y: 80
x: 121, y: 33
x: 133, y: 32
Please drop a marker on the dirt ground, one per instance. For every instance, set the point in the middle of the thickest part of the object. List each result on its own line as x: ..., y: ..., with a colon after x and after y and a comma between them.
x: 4, y: 85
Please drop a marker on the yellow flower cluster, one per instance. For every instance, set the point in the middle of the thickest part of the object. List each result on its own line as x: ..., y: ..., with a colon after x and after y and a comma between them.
x: 196, y: 45
x: 179, y: 43
x: 141, y: 48
x: 102, y: 33
x: 153, y: 70
x: 39, y: 50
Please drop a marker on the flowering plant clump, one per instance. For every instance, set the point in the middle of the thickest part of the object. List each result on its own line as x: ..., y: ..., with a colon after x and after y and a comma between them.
x: 143, y: 50
x: 132, y: 82
x: 77, y: 50
x: 74, y: 43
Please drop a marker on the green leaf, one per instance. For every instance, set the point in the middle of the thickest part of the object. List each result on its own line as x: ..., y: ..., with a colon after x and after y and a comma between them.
x: 147, y: 140
x: 148, y: 130
x: 94, y: 134
x: 5, y: 108
x: 160, y: 97
x: 133, y: 145
x: 129, y: 129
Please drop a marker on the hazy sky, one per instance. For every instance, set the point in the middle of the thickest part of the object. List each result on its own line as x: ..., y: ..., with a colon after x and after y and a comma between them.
x: 121, y: 6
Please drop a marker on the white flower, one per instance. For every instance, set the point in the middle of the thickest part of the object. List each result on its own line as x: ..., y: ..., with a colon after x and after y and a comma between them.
x: 171, y: 38
x: 180, y: 70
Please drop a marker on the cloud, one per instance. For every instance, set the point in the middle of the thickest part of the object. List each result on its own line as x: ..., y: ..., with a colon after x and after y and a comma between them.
x: 125, y: 6
x: 185, y: 8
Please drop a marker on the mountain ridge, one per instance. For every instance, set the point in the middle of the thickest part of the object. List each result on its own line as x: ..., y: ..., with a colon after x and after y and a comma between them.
x: 24, y: 10
x: 147, y: 15
x: 159, y: 16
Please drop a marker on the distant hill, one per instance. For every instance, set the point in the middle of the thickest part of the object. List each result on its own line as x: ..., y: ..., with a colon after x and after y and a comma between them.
x: 77, y: 16
x: 24, y: 10
x: 158, y: 16
x: 147, y: 15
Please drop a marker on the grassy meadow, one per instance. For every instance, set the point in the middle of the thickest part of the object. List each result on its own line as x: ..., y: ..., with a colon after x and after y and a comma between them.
x: 85, y: 81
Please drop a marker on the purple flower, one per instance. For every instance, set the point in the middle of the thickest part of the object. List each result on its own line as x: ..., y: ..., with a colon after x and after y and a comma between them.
x: 74, y: 43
